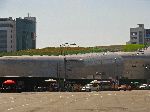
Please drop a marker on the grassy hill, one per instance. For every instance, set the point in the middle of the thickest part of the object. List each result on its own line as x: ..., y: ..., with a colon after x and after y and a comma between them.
x: 74, y: 50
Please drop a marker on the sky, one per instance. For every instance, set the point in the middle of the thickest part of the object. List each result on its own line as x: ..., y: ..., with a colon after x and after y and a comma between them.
x: 84, y: 22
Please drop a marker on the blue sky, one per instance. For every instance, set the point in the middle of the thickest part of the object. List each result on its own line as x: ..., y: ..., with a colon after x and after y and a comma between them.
x: 84, y: 22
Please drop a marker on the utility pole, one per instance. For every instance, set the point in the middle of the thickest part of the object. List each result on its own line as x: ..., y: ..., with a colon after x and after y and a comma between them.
x: 58, y: 76
x: 65, y: 71
x: 64, y: 52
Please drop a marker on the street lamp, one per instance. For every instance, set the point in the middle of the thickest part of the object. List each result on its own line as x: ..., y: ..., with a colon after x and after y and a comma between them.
x: 58, y: 75
x: 115, y: 72
x: 115, y: 67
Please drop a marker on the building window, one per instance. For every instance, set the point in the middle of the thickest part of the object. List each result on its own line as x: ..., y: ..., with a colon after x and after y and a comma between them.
x: 11, y: 41
x: 133, y: 42
x: 11, y: 46
x: 133, y: 38
x: 141, y: 37
x: 133, y: 33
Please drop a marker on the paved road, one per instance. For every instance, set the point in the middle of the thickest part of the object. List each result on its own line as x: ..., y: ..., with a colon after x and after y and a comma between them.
x: 108, y: 101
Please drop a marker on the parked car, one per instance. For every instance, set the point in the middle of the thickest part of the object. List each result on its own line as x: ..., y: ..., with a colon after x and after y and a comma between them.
x: 106, y: 86
x: 144, y: 86
x: 124, y: 87
x: 90, y: 87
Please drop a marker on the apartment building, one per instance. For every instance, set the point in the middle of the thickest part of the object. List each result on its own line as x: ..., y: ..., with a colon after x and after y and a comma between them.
x: 139, y: 35
x: 26, y: 33
x: 7, y: 35
x: 19, y: 34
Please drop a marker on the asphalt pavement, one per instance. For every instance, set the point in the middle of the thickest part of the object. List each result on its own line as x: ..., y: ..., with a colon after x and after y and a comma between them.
x: 104, y: 101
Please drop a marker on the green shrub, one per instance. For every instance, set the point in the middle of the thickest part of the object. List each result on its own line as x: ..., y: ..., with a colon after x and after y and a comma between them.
x: 132, y: 47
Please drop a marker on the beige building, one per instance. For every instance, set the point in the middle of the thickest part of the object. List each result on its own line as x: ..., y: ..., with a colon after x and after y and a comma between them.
x: 7, y: 35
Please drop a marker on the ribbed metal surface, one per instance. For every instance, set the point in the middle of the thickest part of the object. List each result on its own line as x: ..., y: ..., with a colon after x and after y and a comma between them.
x: 82, y: 66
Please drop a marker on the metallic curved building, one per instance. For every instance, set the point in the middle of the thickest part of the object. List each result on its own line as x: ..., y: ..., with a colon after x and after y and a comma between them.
x: 84, y: 66
x: 133, y: 65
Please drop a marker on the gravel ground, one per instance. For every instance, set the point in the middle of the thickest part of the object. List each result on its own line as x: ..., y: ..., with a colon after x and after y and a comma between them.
x: 104, y: 101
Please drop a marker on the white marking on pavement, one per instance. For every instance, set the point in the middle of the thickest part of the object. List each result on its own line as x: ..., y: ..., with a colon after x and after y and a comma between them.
x: 89, y: 94
x: 10, y: 109
x: 12, y: 101
x: 11, y: 98
x: 96, y: 94
x: 109, y: 94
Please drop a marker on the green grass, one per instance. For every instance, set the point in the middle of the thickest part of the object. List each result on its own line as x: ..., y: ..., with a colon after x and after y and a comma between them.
x: 74, y: 50
x: 132, y: 47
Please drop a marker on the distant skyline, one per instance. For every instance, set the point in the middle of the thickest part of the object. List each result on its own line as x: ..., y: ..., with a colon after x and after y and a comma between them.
x: 84, y: 22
